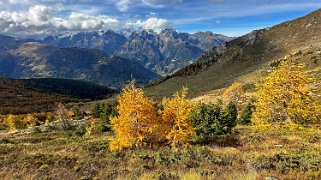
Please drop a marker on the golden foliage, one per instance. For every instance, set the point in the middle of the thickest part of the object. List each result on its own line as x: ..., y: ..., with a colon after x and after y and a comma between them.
x: 176, y: 123
x: 285, y: 95
x: 26, y: 120
x: 234, y: 93
x: 15, y: 122
x: 138, y: 121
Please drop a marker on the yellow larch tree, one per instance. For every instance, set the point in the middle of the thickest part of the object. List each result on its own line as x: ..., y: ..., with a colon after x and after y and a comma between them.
x: 175, y: 119
x: 285, y: 96
x: 234, y: 93
x: 137, y: 123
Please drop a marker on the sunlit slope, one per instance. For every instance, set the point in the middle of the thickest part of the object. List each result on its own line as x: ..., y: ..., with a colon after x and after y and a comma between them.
x: 248, y: 58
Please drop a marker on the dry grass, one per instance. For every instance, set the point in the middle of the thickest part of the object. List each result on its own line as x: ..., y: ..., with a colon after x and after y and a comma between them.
x: 247, y: 154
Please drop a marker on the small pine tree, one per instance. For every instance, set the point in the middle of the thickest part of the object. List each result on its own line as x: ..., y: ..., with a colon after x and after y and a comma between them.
x: 246, y: 114
x: 211, y: 119
x: 77, y: 113
x: 175, y: 119
x: 229, y: 118
x: 206, y: 120
x: 96, y: 110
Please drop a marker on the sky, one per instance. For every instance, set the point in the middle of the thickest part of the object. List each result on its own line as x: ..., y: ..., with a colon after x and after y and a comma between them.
x: 38, y: 18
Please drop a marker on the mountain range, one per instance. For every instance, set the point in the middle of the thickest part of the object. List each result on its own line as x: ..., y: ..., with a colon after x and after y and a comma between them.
x: 108, y: 57
x: 163, y: 53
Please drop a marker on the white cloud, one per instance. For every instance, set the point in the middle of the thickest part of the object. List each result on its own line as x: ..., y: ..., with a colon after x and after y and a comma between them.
x: 151, y: 23
x: 217, y: 22
x: 79, y: 21
x: 38, y: 20
x: 123, y: 5
x: 19, y: 1
x: 160, y: 3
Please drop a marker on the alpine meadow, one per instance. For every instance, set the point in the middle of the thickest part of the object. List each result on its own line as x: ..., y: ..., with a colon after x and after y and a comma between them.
x: 160, y: 89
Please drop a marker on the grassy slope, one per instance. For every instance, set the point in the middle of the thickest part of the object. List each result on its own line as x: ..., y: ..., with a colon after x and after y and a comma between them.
x: 247, y: 59
x: 285, y: 154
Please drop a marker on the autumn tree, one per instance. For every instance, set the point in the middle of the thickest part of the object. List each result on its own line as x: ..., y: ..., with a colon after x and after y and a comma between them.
x: 285, y: 95
x: 176, y: 123
x: 30, y: 120
x: 63, y: 116
x: 234, y: 93
x: 138, y: 122
x: 15, y: 122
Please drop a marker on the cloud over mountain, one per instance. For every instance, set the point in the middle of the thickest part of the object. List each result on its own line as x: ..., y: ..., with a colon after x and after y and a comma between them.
x: 39, y: 20
x: 151, y: 23
x: 38, y: 17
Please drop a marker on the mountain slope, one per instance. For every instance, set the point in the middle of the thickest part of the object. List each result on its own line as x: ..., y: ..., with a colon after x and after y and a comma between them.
x: 37, y: 95
x: 248, y: 58
x: 35, y: 60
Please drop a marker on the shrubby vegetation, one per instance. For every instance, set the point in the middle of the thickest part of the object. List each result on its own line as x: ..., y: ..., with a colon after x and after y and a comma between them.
x: 27, y: 120
x: 283, y: 96
x: 246, y: 115
x: 102, y: 112
x: 212, y: 119
x: 77, y: 113
x: 141, y: 122
x: 145, y: 132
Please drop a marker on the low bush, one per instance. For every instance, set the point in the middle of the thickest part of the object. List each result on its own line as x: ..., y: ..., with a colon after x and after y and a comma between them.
x: 210, y: 120
x: 15, y: 122
x: 246, y: 114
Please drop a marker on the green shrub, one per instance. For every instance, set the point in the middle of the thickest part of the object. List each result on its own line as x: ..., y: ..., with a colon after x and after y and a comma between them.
x: 246, y: 114
x: 77, y: 113
x: 79, y: 130
x: 228, y: 119
x: 103, y: 111
x: 210, y: 120
x: 100, y: 108
x: 36, y: 130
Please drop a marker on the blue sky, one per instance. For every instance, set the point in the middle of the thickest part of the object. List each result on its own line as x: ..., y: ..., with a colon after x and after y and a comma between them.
x: 229, y: 17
